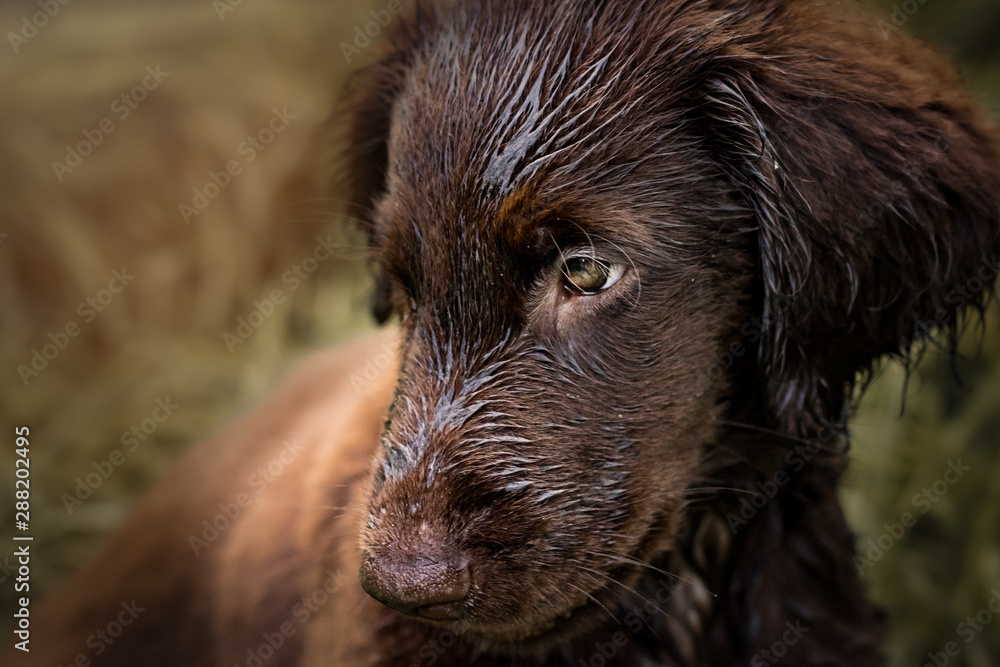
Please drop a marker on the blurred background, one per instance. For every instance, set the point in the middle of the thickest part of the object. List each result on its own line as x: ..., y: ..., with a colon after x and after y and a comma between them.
x: 127, y: 261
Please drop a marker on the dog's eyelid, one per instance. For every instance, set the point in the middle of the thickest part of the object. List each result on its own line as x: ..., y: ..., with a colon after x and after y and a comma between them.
x: 601, y: 253
x: 566, y: 238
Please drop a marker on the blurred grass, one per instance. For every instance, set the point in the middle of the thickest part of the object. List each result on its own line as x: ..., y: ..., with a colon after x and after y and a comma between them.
x: 162, y: 336
x: 944, y: 568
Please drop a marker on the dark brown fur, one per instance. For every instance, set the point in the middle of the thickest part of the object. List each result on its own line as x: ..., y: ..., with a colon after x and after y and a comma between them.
x: 794, y: 195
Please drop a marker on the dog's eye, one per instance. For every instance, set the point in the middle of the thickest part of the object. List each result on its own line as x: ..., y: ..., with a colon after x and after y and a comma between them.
x: 590, y: 275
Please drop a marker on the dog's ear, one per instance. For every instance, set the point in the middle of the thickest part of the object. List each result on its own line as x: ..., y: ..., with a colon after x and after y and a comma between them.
x: 363, y: 122
x: 875, y: 184
x: 369, y: 114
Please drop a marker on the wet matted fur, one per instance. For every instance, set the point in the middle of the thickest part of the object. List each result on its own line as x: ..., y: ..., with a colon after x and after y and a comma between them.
x: 783, y: 195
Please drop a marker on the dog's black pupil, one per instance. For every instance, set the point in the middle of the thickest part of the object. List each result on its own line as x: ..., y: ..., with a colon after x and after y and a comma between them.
x: 586, y: 274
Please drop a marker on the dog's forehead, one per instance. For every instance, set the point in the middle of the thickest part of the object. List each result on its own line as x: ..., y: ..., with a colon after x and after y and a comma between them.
x: 491, y: 113
x: 458, y: 153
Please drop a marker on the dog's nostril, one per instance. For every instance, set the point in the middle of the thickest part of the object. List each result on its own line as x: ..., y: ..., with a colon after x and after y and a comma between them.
x: 417, y: 582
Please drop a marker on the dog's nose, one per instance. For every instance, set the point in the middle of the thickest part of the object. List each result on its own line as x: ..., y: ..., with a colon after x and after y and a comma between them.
x: 418, y: 582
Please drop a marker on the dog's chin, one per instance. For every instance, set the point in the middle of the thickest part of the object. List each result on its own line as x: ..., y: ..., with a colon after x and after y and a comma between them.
x: 506, y: 639
x: 533, y: 635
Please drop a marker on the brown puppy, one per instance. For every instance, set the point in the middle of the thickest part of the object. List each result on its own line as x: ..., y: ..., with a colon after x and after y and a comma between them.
x: 641, y: 251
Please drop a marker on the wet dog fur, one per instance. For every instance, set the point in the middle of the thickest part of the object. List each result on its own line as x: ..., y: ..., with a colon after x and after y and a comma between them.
x: 791, y: 194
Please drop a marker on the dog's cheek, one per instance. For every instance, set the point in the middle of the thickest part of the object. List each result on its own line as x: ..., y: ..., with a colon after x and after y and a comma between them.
x: 687, y: 386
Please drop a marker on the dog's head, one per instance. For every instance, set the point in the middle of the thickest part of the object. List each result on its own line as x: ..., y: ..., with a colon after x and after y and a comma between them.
x: 603, y: 225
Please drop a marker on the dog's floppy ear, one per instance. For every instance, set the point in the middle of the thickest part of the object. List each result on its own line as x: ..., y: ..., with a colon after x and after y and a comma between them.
x: 365, y: 118
x: 876, y: 189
